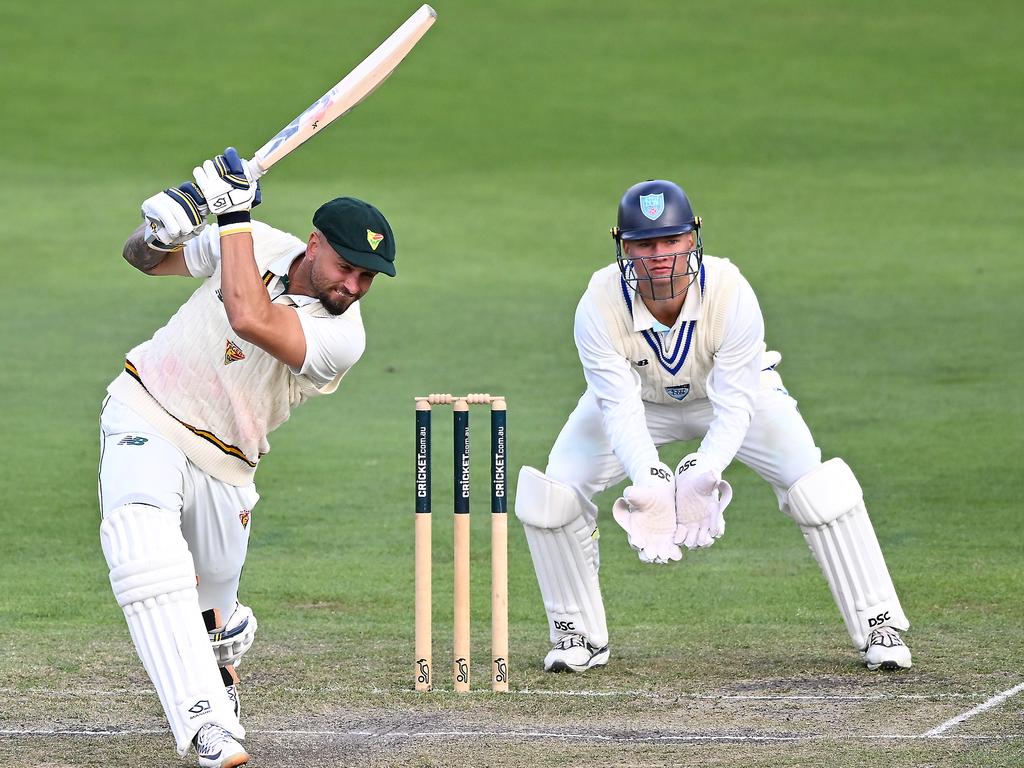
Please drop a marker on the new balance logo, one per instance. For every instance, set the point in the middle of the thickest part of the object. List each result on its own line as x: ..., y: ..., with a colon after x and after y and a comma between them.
x: 641, y: 363
x: 132, y: 440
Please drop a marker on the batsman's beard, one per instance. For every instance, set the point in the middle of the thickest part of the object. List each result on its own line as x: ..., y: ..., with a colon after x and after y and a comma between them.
x: 334, y: 297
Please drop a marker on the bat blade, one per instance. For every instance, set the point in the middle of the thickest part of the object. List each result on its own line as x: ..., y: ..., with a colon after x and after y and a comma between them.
x: 353, y: 88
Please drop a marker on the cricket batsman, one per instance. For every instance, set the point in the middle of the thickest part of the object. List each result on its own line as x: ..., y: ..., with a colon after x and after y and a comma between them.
x: 673, y: 349
x: 274, y: 321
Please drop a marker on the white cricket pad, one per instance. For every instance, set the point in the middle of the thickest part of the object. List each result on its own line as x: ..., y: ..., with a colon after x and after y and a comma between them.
x: 828, y: 505
x: 565, y: 556
x: 154, y: 581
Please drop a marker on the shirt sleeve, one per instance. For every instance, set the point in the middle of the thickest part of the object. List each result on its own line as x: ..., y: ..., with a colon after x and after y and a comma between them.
x: 333, y: 344
x: 617, y: 387
x: 202, y: 253
x: 734, y: 379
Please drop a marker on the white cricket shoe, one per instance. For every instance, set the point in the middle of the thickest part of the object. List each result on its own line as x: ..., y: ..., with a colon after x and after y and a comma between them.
x: 217, y: 748
x: 573, y: 653
x: 886, y: 650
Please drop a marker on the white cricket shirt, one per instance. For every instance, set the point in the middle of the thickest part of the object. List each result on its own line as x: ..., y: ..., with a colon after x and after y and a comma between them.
x: 714, y: 350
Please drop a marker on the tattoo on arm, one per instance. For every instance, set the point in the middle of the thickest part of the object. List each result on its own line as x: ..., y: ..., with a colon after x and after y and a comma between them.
x: 140, y: 255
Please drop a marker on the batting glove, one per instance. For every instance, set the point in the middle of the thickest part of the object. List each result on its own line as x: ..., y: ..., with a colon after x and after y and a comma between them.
x: 174, y: 216
x: 229, y: 187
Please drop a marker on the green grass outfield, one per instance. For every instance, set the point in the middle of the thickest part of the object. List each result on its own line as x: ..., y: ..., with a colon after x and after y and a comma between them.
x: 860, y: 161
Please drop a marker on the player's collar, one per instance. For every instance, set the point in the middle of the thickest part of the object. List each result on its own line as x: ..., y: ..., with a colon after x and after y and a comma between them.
x: 279, y: 267
x: 643, y: 320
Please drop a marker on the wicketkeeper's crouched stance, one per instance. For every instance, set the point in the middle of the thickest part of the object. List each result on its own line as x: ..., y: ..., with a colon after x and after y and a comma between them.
x: 672, y: 346
x: 275, y: 322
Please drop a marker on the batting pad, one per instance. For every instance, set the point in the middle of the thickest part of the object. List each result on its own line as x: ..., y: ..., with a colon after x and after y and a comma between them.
x: 154, y: 581
x: 565, y: 557
x: 828, y: 505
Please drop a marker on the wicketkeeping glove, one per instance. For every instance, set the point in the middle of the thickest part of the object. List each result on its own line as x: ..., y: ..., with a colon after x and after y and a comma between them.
x: 228, y: 186
x: 701, y: 499
x: 647, y: 514
x: 174, y: 216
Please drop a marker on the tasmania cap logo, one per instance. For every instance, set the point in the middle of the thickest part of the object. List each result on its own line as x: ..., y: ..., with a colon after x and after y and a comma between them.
x: 653, y: 205
x: 243, y: 518
x: 374, y: 238
x: 233, y: 353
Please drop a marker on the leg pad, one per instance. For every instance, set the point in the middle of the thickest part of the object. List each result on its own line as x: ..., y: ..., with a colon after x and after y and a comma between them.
x: 828, y: 505
x: 154, y: 581
x: 564, y: 549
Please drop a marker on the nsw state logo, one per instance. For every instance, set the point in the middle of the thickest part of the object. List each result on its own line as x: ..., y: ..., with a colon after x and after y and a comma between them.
x: 679, y: 391
x: 653, y: 205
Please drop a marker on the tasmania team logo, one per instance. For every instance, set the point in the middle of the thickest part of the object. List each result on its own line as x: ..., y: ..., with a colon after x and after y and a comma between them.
x: 232, y: 353
x: 653, y: 205
x: 374, y: 238
x: 243, y: 518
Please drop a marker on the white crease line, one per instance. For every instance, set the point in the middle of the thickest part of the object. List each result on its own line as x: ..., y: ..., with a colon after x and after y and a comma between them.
x: 642, y: 738
x: 142, y: 691
x: 995, y: 701
x: 694, y: 696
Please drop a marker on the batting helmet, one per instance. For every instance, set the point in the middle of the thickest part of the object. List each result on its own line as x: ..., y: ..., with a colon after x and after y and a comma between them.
x: 654, y: 209
x: 658, y: 208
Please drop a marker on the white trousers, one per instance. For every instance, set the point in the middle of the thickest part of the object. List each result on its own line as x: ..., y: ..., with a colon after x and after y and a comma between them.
x: 138, y: 466
x: 778, y: 446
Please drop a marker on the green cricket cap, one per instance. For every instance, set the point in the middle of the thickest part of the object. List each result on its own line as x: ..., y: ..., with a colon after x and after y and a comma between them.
x: 358, y: 232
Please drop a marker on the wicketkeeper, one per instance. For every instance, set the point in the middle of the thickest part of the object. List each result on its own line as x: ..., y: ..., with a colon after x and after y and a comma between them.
x: 275, y: 321
x: 672, y: 346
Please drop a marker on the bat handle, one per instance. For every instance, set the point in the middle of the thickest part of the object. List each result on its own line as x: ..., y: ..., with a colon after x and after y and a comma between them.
x: 257, y: 169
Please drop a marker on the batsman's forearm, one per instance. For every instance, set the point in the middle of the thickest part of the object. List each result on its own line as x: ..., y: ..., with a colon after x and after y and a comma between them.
x: 140, y: 255
x: 245, y: 296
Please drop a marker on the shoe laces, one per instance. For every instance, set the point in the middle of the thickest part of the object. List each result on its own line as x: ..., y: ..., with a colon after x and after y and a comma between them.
x: 212, y: 739
x: 886, y: 637
x: 573, y: 641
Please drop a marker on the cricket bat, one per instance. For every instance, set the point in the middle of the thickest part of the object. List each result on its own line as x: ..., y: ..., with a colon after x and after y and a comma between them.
x: 350, y: 91
x: 353, y: 88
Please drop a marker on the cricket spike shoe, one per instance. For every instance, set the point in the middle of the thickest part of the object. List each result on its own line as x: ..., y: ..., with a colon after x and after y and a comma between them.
x: 217, y: 748
x: 886, y: 650
x: 572, y: 653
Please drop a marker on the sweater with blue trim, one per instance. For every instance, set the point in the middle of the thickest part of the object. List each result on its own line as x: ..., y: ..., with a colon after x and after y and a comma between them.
x: 673, y: 366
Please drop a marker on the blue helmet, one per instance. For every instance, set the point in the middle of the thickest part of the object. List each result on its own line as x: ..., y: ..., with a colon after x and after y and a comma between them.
x: 651, y: 209
x: 654, y: 209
